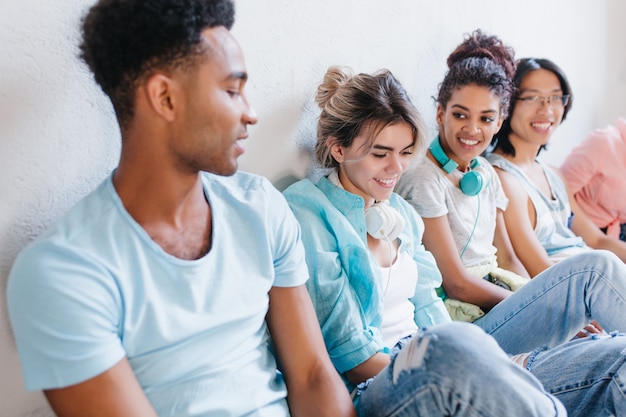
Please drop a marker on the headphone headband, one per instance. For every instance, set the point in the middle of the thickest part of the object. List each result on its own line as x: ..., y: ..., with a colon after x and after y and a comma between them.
x: 437, y: 151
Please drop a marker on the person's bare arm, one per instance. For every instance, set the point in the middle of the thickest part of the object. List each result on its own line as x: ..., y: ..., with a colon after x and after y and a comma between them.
x: 368, y: 369
x: 507, y: 259
x: 313, y: 385
x: 519, y: 219
x: 582, y: 226
x: 114, y: 393
x: 457, y: 282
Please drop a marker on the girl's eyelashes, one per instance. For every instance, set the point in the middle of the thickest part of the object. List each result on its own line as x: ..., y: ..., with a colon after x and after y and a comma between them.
x: 486, y: 119
x: 383, y: 155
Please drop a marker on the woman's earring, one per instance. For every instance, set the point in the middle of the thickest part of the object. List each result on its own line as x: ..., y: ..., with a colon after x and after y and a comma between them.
x: 336, y: 153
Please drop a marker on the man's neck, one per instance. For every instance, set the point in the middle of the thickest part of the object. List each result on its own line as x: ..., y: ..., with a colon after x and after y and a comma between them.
x: 170, y: 206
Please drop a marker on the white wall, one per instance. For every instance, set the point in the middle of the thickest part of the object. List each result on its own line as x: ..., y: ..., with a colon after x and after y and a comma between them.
x: 58, y: 136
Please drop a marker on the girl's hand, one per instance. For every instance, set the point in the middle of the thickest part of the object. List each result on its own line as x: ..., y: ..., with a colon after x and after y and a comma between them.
x: 590, y: 329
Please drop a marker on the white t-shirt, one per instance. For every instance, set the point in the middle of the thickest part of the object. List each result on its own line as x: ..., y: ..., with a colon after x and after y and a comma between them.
x: 472, y: 219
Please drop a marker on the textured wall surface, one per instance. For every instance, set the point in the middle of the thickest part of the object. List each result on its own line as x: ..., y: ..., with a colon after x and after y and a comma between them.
x: 58, y: 136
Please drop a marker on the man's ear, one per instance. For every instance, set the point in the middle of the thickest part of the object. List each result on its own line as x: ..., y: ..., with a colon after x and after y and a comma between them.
x: 336, y: 150
x: 161, y: 93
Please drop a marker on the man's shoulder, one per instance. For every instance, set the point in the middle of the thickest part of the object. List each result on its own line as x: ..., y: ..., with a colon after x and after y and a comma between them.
x: 86, y: 213
x: 244, y: 194
x: 239, y: 182
x: 72, y: 239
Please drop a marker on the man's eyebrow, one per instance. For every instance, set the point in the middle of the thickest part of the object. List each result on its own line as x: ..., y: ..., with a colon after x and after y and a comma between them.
x: 238, y: 75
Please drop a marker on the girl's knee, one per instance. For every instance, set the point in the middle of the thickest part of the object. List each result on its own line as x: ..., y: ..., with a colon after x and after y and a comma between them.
x: 458, y: 334
x: 454, y: 341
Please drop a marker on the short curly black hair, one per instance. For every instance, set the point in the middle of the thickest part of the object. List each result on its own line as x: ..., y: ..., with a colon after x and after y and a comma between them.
x: 125, y: 40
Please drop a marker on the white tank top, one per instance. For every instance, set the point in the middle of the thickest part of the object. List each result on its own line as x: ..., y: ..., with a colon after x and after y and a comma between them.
x: 399, y: 287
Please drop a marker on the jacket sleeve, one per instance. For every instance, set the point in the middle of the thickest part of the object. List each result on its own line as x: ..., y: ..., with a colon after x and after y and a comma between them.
x: 429, y: 307
x: 350, y: 330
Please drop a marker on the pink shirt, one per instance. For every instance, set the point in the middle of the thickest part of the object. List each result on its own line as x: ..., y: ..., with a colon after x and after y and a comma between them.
x: 595, y: 172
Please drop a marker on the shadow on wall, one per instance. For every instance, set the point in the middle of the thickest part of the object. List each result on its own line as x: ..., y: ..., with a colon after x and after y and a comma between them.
x: 305, y: 140
x: 285, y: 181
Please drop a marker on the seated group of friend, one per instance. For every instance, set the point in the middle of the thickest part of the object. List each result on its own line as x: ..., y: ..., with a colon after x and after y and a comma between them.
x: 184, y: 287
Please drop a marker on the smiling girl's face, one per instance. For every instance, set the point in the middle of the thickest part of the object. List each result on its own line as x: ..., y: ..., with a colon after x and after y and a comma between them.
x: 534, y: 121
x: 372, y: 172
x: 467, y: 124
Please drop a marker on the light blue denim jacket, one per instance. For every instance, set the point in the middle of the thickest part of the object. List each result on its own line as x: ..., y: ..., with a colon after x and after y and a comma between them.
x: 345, y: 281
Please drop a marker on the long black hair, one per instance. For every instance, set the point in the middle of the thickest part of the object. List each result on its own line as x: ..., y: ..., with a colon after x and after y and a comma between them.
x: 524, y: 66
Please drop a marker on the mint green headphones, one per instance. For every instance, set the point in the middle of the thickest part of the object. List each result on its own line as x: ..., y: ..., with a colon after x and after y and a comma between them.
x: 472, y: 182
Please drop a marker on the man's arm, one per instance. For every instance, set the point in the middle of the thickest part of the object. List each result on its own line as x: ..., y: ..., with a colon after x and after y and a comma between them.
x: 313, y: 385
x: 114, y: 393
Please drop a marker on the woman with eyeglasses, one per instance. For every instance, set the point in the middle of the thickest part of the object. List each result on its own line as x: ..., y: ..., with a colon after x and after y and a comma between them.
x: 543, y: 220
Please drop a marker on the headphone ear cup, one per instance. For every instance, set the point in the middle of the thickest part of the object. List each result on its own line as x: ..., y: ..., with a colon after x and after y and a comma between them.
x: 398, y: 225
x: 383, y: 221
x: 472, y: 183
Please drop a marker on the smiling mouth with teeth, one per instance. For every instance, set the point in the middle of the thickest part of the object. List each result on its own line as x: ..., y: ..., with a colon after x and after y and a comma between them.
x: 542, y: 126
x: 469, y: 142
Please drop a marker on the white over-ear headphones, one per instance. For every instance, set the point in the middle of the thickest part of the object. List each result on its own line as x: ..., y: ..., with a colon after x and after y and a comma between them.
x: 383, y: 221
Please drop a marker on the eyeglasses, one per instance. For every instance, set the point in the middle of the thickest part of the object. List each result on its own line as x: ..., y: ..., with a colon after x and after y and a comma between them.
x: 539, y: 101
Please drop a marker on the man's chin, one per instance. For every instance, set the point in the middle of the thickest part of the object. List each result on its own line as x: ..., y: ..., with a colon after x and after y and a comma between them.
x: 224, y: 171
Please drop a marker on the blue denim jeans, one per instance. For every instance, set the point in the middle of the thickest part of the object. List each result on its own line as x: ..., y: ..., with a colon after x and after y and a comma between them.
x: 587, y: 375
x: 455, y: 369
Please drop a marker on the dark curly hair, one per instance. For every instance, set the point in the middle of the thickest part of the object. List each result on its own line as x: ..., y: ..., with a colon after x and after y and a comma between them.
x: 125, y: 40
x: 481, y: 60
x: 524, y: 66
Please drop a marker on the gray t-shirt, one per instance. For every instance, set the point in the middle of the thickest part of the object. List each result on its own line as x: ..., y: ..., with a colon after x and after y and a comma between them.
x: 472, y: 219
